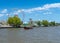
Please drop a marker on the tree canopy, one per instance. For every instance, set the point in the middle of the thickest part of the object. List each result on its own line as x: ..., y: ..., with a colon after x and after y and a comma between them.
x: 52, y: 23
x: 14, y: 21
x: 38, y: 23
x: 45, y: 23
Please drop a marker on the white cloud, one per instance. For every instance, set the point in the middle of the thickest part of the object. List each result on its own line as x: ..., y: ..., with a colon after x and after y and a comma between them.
x: 45, y: 7
x: 7, y: 15
x: 1, y: 15
x: 4, y: 11
x: 47, y: 13
x: 17, y: 12
x: 54, y: 5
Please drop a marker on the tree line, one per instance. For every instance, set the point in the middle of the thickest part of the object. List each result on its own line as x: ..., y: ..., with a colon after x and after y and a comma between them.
x: 15, y: 21
x: 46, y: 23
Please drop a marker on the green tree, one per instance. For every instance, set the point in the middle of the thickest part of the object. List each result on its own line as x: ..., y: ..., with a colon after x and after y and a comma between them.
x: 10, y: 20
x: 45, y: 23
x: 38, y: 23
x: 52, y: 23
x: 14, y: 21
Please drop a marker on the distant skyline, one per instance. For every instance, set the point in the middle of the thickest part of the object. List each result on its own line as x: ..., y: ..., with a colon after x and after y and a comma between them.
x: 35, y: 9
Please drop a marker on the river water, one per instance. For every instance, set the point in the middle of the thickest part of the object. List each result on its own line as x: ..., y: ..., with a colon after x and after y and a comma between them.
x: 35, y: 35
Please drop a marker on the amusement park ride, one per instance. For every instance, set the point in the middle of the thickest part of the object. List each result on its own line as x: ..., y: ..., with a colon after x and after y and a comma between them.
x: 23, y: 15
x: 25, y: 27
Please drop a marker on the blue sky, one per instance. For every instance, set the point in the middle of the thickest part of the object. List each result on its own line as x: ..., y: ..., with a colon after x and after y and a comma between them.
x: 35, y: 9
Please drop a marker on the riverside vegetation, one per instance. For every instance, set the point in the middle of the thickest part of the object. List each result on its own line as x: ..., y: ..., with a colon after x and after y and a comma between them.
x: 15, y: 21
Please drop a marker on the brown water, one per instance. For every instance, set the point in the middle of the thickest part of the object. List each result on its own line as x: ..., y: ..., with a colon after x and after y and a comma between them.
x: 36, y: 35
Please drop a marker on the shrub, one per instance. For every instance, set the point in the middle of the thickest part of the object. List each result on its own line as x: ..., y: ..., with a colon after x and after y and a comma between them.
x: 45, y: 23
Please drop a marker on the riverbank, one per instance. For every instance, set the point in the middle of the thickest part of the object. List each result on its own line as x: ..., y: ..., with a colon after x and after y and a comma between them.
x: 10, y: 27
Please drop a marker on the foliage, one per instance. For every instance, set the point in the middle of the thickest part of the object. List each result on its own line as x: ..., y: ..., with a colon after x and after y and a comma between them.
x: 15, y: 21
x: 10, y: 20
x: 45, y: 23
x: 38, y: 23
x: 52, y: 23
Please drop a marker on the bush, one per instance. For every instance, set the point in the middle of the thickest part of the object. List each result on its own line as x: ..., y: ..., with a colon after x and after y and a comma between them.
x: 45, y: 23
x: 52, y: 23
x: 38, y: 23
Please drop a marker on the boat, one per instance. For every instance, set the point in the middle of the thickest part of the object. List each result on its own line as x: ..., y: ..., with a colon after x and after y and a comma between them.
x: 28, y: 27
